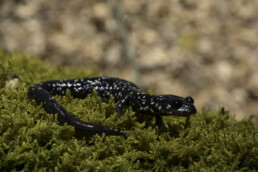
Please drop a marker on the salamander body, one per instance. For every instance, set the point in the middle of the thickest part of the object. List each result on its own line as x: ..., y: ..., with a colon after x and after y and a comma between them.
x: 125, y: 93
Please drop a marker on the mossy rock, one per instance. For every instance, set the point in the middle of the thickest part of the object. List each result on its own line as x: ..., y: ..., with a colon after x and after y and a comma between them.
x: 33, y: 140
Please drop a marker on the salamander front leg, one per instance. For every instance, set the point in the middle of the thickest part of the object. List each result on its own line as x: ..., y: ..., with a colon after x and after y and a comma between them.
x: 159, y: 122
x: 122, y: 103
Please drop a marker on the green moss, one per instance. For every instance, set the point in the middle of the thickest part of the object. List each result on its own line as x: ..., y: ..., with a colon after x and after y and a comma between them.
x: 31, y: 139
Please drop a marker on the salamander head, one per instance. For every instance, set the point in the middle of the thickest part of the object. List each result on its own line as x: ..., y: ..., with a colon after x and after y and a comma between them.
x: 175, y: 105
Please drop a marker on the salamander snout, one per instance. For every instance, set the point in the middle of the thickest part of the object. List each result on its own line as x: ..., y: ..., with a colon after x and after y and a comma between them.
x: 175, y: 105
x: 183, y: 106
x: 189, y: 105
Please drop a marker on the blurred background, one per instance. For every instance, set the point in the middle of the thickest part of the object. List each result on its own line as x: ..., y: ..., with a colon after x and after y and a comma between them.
x: 203, y: 48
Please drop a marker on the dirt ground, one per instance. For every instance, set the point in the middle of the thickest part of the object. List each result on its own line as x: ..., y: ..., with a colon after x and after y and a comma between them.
x: 206, y: 49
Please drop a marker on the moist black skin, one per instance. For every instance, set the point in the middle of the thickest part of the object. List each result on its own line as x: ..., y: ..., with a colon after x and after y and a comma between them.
x: 125, y: 93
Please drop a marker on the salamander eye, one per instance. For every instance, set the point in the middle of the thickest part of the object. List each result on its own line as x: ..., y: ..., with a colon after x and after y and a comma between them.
x: 177, y: 103
x: 189, y: 99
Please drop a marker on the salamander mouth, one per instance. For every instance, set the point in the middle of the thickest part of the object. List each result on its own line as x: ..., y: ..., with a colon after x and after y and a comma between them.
x: 186, y: 110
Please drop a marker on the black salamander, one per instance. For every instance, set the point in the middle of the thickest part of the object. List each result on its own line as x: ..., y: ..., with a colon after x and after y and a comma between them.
x: 125, y: 93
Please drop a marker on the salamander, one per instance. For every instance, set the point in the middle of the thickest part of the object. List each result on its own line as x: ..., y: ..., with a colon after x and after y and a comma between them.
x: 124, y: 93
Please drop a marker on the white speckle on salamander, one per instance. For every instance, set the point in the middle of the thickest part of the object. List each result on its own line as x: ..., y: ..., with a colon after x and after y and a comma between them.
x: 62, y: 84
x: 146, y: 108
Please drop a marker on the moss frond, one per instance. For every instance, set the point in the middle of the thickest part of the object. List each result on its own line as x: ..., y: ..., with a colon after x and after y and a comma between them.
x: 33, y: 140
